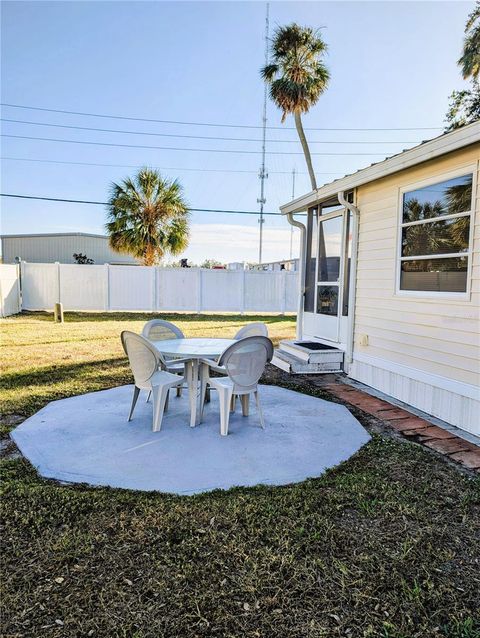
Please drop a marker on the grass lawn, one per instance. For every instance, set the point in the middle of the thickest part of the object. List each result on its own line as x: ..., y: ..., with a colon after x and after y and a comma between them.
x: 387, y: 545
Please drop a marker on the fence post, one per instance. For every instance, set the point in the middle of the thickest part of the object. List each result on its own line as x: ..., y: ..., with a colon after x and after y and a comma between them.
x: 284, y: 292
x: 19, y: 286
x: 2, y: 309
x: 155, y: 274
x: 107, y: 287
x: 199, y: 291
x: 59, y: 300
x: 242, y: 308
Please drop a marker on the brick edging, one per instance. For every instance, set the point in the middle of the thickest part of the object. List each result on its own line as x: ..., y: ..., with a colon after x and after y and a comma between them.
x: 411, y: 426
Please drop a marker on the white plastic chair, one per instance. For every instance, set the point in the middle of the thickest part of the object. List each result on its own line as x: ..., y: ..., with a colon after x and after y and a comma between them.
x: 244, y: 363
x: 255, y: 329
x: 150, y: 373
x: 160, y: 330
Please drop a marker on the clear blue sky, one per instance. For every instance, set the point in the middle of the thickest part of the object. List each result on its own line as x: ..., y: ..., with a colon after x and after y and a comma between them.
x: 393, y: 65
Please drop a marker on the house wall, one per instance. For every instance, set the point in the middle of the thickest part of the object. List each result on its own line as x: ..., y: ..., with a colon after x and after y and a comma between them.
x: 51, y: 248
x: 424, y: 350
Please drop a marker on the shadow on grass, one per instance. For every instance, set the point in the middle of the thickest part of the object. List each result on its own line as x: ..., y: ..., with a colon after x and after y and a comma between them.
x: 147, y: 316
x: 57, y: 373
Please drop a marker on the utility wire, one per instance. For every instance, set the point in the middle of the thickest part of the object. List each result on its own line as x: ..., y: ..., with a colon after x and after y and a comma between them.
x: 94, y: 203
x: 198, y: 137
x: 176, y: 148
x: 163, y: 168
x: 145, y: 119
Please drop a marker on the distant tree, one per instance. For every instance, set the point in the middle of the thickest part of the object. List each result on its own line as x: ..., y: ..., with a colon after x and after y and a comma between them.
x: 297, y: 76
x: 211, y: 263
x: 147, y: 217
x: 180, y: 263
x: 464, y: 107
x: 80, y: 258
x: 470, y: 59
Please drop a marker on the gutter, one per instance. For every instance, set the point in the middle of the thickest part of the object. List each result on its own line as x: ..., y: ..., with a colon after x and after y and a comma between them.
x: 301, y: 272
x: 352, y: 290
x: 437, y: 147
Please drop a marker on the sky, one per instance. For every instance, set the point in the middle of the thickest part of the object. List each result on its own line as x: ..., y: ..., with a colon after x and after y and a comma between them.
x: 392, y: 66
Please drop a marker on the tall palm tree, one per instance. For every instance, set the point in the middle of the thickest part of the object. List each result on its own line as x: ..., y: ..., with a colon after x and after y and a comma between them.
x: 470, y: 60
x: 147, y: 217
x: 464, y: 107
x: 297, y: 76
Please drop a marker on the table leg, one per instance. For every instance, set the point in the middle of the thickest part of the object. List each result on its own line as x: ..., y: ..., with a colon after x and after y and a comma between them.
x: 193, y: 391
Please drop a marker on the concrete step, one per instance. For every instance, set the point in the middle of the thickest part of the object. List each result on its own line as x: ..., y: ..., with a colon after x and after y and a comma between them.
x: 293, y: 365
x: 312, y: 351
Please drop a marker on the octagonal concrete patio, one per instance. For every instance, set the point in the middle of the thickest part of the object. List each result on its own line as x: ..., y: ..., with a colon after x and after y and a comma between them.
x: 87, y: 439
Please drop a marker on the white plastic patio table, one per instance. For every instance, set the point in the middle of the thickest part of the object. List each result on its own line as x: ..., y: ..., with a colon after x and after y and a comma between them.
x: 193, y: 349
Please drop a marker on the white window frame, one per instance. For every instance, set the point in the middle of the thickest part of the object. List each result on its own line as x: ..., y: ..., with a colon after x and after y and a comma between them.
x: 437, y: 179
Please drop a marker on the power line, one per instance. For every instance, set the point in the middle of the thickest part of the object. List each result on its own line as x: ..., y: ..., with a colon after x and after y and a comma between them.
x: 160, y: 168
x: 280, y: 128
x: 94, y: 203
x: 198, y: 137
x: 138, y: 166
x: 176, y: 148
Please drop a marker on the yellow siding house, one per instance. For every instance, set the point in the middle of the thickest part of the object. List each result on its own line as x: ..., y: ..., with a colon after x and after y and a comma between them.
x: 390, y: 278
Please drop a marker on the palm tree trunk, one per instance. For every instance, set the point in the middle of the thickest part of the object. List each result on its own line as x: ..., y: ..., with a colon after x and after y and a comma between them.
x: 306, y: 150
x: 149, y: 257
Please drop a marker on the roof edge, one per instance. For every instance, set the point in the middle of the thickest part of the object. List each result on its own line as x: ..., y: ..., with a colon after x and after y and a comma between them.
x: 25, y: 235
x: 445, y: 143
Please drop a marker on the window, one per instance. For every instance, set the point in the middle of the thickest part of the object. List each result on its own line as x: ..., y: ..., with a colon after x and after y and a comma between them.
x: 311, y: 260
x: 435, y: 236
x: 327, y: 300
x: 329, y: 265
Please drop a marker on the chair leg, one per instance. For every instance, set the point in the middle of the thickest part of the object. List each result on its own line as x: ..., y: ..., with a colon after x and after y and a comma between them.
x: 259, y: 409
x: 160, y: 395
x: 167, y: 400
x: 136, y: 392
x: 225, y: 398
x: 179, y: 390
x: 204, y: 389
x: 149, y: 395
x: 233, y: 402
x: 245, y: 401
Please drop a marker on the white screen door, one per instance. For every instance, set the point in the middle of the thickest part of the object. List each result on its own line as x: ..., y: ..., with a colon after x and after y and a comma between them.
x: 328, y: 300
x: 327, y: 276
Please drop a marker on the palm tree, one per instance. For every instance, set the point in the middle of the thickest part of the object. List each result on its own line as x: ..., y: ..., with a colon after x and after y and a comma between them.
x: 297, y: 76
x: 464, y: 107
x: 147, y: 217
x: 470, y: 60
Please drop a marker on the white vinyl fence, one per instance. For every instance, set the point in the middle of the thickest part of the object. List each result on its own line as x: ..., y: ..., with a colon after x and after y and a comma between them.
x: 9, y: 290
x: 110, y: 288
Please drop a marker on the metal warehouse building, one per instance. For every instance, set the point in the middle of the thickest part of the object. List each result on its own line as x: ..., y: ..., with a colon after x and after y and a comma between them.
x: 52, y: 247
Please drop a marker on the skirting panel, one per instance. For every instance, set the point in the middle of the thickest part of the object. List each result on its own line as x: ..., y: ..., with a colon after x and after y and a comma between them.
x: 450, y: 406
